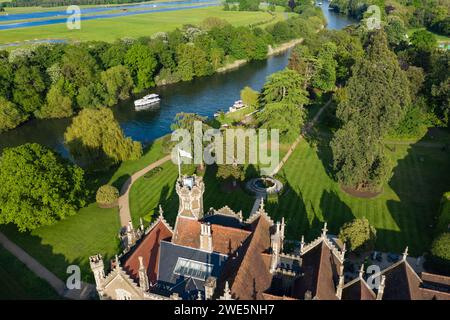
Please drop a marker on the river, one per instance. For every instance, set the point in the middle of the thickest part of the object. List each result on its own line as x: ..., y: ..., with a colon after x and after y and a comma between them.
x: 204, y: 96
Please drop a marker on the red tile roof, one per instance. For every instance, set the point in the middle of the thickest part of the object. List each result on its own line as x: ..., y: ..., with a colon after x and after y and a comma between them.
x: 249, y: 273
x: 402, y: 283
x: 226, y: 240
x: 358, y: 290
x: 148, y: 248
x: 320, y: 268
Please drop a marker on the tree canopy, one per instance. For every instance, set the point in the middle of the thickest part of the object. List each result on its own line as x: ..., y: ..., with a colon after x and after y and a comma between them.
x: 376, y: 99
x: 38, y: 187
x: 359, y: 235
x: 95, y: 137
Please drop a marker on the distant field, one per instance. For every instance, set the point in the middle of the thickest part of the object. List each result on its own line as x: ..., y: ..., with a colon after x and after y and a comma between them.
x: 133, y: 26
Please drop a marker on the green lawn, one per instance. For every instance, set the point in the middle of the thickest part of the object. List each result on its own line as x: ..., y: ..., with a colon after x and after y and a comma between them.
x: 401, y: 214
x: 18, y: 282
x: 133, y: 26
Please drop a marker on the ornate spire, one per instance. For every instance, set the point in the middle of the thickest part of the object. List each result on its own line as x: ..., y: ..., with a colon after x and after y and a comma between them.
x: 143, y: 278
x: 141, y: 224
x: 343, y: 252
x: 324, y: 230
x: 161, y: 211
x: 117, y: 262
x: 226, y: 292
x: 405, y: 254
x: 361, y: 271
x: 261, y: 205
x: 381, y: 288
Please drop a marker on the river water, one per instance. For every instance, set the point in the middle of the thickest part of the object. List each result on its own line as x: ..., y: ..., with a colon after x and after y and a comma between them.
x: 204, y: 96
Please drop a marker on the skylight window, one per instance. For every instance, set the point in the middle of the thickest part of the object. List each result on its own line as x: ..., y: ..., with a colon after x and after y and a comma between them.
x: 193, y: 269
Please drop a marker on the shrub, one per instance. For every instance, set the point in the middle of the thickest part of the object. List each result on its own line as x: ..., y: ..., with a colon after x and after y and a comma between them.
x: 107, y: 195
x: 439, y: 259
x: 152, y: 172
x: 358, y: 235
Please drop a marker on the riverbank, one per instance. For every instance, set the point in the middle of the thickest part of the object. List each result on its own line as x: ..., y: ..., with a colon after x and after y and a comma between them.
x: 271, y: 52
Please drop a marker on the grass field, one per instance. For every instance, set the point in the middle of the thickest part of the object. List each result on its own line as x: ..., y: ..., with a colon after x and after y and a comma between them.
x: 402, y: 214
x: 19, y: 283
x: 133, y: 26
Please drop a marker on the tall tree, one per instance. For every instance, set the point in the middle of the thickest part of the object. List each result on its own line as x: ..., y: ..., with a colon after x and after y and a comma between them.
x: 96, y: 140
x: 58, y: 104
x: 142, y: 64
x: 118, y: 84
x: 376, y: 98
x: 325, y: 77
x: 285, y: 86
x: 28, y: 88
x: 10, y: 115
x: 38, y: 187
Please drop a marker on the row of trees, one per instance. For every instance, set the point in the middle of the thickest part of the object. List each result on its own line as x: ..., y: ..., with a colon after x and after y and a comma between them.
x: 58, y: 80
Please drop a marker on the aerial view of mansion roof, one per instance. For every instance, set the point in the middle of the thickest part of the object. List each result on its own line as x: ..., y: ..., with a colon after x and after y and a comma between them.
x: 219, y: 255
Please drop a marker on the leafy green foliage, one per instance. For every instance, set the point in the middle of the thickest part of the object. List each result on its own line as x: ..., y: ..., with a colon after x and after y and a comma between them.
x: 107, y: 195
x: 423, y: 40
x: 95, y: 137
x: 118, y: 84
x: 10, y: 115
x: 285, y: 86
x: 58, y: 104
x: 368, y: 116
x: 359, y: 235
x: 440, y: 253
x: 325, y: 77
x: 37, y: 187
x: 249, y: 97
x: 142, y: 65
x: 235, y: 172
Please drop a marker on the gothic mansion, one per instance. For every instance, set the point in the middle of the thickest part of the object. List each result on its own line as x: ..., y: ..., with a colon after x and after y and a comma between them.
x: 219, y: 255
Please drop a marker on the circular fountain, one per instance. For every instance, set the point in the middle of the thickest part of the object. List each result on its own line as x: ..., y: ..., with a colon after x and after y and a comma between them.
x: 264, y: 186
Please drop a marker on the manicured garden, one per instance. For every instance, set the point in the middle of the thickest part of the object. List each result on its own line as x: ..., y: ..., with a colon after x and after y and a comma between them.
x: 402, y: 214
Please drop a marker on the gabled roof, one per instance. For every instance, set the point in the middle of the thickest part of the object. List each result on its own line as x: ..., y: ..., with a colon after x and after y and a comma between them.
x: 225, y: 239
x: 248, y: 272
x: 358, y: 289
x: 148, y: 248
x: 320, y: 269
x: 402, y: 282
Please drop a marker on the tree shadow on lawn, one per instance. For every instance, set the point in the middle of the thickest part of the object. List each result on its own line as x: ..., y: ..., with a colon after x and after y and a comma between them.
x: 419, y: 180
x: 44, y: 254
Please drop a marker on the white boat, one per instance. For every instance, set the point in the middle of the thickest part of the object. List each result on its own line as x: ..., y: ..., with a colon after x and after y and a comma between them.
x: 146, y: 101
x: 239, y: 104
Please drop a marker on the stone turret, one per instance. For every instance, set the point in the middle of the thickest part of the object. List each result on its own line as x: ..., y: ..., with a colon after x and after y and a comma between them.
x: 210, y: 287
x: 190, y: 191
x: 276, y: 242
x: 98, y: 268
x: 143, y: 278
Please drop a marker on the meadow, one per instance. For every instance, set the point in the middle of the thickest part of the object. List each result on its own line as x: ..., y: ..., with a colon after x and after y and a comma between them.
x: 134, y: 26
